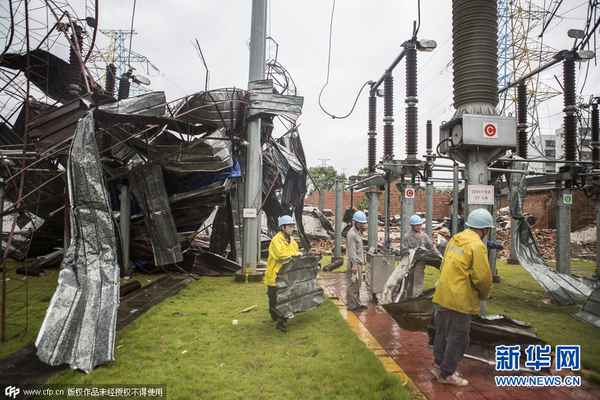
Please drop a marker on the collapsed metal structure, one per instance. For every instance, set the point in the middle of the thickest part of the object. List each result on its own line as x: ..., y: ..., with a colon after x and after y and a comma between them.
x: 110, y: 179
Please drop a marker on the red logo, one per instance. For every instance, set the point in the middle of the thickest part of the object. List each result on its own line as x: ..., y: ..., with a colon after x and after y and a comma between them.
x: 490, y: 130
x: 410, y: 193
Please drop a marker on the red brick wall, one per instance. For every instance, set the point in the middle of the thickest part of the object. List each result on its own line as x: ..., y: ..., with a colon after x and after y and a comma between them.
x: 440, y: 200
x: 542, y: 205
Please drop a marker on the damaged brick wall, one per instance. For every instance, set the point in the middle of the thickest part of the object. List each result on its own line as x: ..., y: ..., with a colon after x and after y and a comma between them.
x: 542, y: 206
x: 441, y: 208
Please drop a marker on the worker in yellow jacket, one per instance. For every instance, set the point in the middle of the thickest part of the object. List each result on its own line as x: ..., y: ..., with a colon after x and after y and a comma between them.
x: 282, y: 246
x: 465, y: 279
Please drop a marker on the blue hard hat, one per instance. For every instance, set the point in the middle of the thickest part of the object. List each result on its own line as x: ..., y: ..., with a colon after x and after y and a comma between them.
x: 285, y: 220
x: 415, y: 220
x: 360, y: 216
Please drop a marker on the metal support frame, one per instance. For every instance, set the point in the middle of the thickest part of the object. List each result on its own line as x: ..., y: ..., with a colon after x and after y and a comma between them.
x: 429, y: 208
x: 373, y: 240
x: 597, y: 201
x: 563, y: 229
x: 337, y: 248
x: 407, y: 205
x: 125, y: 224
x: 387, y: 201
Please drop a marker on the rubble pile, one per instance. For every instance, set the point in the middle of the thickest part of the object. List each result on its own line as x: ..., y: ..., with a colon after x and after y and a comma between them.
x: 546, y: 238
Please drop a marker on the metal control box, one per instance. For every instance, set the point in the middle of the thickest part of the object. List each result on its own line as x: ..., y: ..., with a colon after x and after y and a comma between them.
x: 479, y: 130
x: 379, y: 269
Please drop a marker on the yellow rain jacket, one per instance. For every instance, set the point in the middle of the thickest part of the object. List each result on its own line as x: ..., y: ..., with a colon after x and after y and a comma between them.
x: 465, y: 275
x: 279, y: 250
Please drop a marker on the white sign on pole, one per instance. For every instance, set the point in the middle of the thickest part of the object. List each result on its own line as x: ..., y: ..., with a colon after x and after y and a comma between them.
x: 409, y: 193
x: 249, y: 212
x: 481, y: 194
x: 567, y: 199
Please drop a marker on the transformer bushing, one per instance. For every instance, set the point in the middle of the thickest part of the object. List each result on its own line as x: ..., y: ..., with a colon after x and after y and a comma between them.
x: 411, y: 100
x: 522, y: 120
x: 474, y: 46
x: 372, y: 133
x: 570, y: 119
x: 388, y: 119
x: 111, y: 79
x: 75, y: 72
x: 429, y: 137
x: 595, y: 134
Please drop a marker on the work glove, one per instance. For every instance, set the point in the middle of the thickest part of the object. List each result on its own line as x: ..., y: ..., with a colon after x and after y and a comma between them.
x: 494, y: 245
x: 354, y: 277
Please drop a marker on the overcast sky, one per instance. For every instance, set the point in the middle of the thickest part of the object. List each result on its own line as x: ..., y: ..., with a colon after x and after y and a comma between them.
x: 366, y: 38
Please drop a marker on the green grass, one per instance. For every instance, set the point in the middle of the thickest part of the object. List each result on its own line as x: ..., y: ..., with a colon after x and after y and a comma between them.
x: 23, y: 323
x: 189, y: 343
x: 520, y: 297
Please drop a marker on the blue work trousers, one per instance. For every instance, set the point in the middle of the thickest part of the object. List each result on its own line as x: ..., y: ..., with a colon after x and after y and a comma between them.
x: 451, y: 338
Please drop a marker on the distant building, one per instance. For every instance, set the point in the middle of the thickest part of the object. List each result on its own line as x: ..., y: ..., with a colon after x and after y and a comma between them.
x: 549, y: 148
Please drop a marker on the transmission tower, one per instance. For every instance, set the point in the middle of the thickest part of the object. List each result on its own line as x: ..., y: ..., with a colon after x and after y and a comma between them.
x: 118, y: 53
x: 519, y: 53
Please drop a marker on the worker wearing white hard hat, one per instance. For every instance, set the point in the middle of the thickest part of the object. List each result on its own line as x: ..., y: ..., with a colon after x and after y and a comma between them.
x: 465, y: 279
x: 355, y: 259
x: 413, y: 239
x: 282, y: 246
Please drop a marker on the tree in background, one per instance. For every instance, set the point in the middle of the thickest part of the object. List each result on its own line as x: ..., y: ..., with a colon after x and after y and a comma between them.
x: 325, y: 176
x: 363, y: 171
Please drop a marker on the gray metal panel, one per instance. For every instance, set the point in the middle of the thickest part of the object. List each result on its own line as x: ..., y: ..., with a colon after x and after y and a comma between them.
x: 80, y: 325
x: 563, y: 289
x: 395, y: 285
x: 264, y: 102
x: 153, y: 103
x: 149, y: 190
x: 297, y: 286
x: 379, y: 268
x: 590, y: 310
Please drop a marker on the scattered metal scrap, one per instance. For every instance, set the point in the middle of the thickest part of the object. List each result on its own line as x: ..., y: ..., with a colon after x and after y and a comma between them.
x: 297, y: 287
x: 563, y: 289
x: 395, y: 287
x: 181, y: 159
x: 590, y: 309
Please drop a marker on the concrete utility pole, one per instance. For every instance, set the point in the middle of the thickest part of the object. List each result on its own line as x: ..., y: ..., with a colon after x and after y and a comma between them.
x: 253, y: 194
x: 373, y: 241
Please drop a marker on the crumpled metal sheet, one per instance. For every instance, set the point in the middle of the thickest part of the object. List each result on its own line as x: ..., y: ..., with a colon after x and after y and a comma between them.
x: 562, y: 289
x: 263, y: 102
x: 212, y: 154
x: 80, y: 324
x: 220, y: 108
x: 412, y: 314
x: 590, y: 309
x: 49, y: 260
x: 153, y: 103
x: 149, y: 190
x: 297, y: 287
x: 395, y: 285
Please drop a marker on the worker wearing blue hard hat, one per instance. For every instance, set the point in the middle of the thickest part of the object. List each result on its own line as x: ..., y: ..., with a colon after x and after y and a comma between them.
x: 413, y: 239
x: 465, y: 279
x: 282, y: 246
x: 355, y: 259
